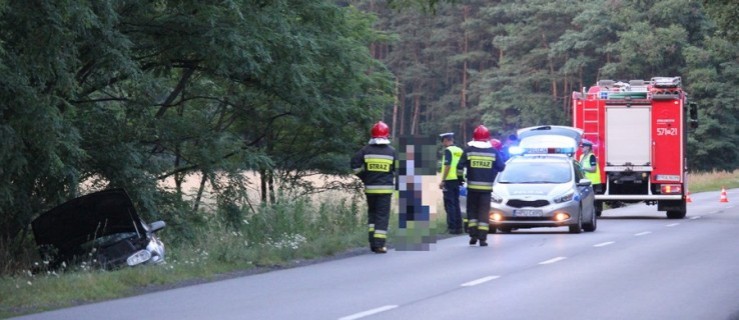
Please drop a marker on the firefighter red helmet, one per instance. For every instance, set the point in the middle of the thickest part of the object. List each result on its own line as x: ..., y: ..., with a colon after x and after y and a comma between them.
x: 380, y: 130
x: 496, y: 144
x: 481, y: 133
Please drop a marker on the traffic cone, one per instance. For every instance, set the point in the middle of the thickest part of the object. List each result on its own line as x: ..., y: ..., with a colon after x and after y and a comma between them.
x: 723, y: 195
x: 688, y: 199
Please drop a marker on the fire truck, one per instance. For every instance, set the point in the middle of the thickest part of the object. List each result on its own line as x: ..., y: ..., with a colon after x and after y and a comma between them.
x: 639, y: 133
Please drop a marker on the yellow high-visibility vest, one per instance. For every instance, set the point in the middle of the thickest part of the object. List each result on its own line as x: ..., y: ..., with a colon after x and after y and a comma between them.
x: 594, y: 177
x: 456, y: 154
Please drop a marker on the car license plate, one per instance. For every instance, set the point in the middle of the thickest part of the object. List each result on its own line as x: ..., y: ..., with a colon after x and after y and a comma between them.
x: 528, y: 213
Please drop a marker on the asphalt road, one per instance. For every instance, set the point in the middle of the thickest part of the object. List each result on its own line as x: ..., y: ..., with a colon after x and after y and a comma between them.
x: 637, y: 265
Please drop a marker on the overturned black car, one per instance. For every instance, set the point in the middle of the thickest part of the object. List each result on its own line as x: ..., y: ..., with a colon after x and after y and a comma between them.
x: 101, y: 229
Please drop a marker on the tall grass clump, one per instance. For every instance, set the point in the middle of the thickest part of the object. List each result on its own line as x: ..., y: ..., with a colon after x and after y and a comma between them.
x: 290, y: 229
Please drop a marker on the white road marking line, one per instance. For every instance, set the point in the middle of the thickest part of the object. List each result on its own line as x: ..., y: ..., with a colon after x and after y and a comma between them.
x: 712, y: 212
x: 643, y: 233
x: 368, y: 312
x: 479, y: 281
x: 672, y: 224
x: 553, y: 260
x: 603, y: 244
x: 696, y: 217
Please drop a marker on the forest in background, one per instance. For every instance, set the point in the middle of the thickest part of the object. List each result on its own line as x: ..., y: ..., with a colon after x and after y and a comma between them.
x: 132, y: 93
x: 513, y: 64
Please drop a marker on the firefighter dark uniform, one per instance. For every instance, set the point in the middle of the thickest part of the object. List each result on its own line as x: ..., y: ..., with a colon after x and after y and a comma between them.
x: 482, y: 163
x: 450, y: 183
x: 375, y: 165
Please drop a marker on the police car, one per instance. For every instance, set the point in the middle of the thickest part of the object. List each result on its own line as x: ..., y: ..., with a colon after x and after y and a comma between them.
x: 543, y: 185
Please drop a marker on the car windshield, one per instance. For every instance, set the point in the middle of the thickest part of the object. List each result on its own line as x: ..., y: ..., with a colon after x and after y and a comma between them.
x: 536, y: 172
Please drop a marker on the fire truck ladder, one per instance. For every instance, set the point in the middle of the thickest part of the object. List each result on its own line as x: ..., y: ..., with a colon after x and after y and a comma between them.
x: 591, y: 125
x: 591, y: 122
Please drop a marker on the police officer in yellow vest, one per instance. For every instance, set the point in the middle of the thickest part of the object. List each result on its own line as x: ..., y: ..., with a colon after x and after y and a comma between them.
x: 589, y: 165
x: 450, y: 183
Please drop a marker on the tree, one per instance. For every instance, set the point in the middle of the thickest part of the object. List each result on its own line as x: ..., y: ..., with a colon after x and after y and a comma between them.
x: 129, y: 94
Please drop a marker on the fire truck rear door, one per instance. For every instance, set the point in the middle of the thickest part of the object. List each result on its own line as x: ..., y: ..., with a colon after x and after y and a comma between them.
x: 628, y: 135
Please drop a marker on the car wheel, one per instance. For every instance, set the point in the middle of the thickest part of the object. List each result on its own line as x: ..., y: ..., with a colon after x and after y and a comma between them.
x: 506, y: 229
x: 577, y: 227
x: 492, y: 230
x: 593, y: 224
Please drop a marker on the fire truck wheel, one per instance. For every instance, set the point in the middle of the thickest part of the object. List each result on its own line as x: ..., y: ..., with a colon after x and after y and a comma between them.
x: 676, y: 214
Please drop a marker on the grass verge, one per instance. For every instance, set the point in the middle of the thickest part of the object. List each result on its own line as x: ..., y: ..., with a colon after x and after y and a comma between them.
x: 287, y: 234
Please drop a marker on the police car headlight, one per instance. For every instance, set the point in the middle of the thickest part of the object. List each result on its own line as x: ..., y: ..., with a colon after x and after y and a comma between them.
x: 567, y: 197
x: 496, y: 198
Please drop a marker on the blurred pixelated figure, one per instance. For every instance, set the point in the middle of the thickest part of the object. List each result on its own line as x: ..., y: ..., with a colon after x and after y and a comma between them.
x: 417, y: 171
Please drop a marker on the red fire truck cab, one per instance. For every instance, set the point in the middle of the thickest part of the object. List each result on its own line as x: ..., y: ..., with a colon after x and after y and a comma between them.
x: 639, y: 133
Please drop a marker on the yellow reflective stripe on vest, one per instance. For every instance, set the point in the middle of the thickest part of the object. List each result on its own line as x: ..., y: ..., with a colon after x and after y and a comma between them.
x: 481, y: 160
x: 378, y: 163
x: 480, y: 185
x: 456, y: 154
x: 373, y: 189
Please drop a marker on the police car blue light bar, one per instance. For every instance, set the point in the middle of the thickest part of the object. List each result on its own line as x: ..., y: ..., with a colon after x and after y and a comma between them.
x: 547, y: 140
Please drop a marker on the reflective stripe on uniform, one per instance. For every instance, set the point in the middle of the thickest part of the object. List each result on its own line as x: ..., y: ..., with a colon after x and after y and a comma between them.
x: 373, y: 189
x: 472, y: 223
x: 483, y: 226
x: 378, y: 162
x: 371, y: 227
x: 382, y: 234
x: 480, y: 185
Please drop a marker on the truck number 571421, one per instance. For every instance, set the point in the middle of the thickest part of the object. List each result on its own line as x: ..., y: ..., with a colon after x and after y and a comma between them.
x: 666, y: 131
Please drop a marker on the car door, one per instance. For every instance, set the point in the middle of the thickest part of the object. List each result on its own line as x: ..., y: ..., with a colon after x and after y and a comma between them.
x: 587, y: 195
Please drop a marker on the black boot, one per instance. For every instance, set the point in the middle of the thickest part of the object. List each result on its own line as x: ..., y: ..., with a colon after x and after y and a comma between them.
x: 379, y: 249
x: 378, y: 246
x: 483, y: 236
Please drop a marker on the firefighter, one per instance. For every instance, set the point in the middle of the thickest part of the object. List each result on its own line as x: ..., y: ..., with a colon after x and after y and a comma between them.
x: 482, y: 163
x: 374, y: 164
x: 589, y: 165
x: 450, y: 183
